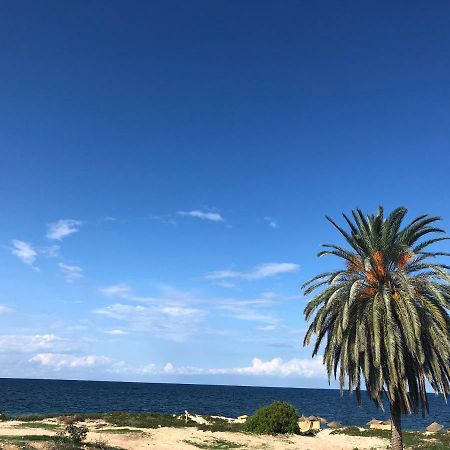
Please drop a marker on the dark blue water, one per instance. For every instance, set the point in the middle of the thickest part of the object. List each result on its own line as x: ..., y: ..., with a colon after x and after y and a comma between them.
x: 23, y: 397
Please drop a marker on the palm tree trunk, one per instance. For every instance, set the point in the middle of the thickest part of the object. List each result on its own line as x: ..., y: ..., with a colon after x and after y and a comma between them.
x: 396, y: 422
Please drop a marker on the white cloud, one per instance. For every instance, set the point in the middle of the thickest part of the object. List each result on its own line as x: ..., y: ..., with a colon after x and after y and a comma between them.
x: 178, y: 311
x: 271, y: 222
x: 57, y: 361
x: 249, y: 310
x: 120, y: 290
x: 168, y: 295
x: 267, y: 328
x: 24, y: 251
x: 169, y: 368
x: 6, y: 309
x: 267, y: 270
x: 276, y: 367
x: 173, y: 322
x: 62, y: 228
x: 116, y: 332
x: 31, y: 343
x: 51, y: 251
x: 71, y: 273
x: 212, y: 216
x: 122, y: 367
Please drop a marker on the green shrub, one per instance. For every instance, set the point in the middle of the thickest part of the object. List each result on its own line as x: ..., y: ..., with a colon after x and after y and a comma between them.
x: 277, y: 418
x: 74, y: 434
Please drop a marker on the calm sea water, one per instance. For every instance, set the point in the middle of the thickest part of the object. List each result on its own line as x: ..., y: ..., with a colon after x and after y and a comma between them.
x: 23, y: 397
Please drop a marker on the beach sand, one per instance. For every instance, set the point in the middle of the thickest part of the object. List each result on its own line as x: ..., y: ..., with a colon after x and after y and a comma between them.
x: 186, y: 438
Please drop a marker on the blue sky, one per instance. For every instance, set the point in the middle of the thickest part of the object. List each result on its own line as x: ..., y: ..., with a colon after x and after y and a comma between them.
x: 166, y: 168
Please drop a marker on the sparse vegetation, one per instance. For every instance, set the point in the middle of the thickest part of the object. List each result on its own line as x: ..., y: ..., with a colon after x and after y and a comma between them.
x: 72, y: 435
x: 120, y: 431
x: 219, y: 424
x: 147, y: 420
x: 214, y: 444
x: 143, y: 420
x: 40, y: 425
x: 411, y: 439
x: 277, y: 418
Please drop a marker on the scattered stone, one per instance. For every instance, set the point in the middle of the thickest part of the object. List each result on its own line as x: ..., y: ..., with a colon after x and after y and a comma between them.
x: 100, y: 423
x: 434, y: 427
x: 51, y: 420
x: 334, y: 424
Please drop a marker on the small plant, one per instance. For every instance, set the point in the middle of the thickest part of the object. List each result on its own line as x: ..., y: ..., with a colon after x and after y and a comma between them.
x: 101, y: 444
x: 74, y: 434
x: 277, y: 418
x: 214, y: 444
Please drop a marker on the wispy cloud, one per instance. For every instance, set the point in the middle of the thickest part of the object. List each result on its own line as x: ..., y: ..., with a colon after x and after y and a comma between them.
x: 116, y: 332
x: 267, y: 328
x: 71, y: 273
x: 57, y: 361
x: 120, y: 290
x: 168, y: 220
x: 205, y: 215
x: 172, y: 322
x: 6, y: 309
x: 167, y: 295
x: 51, y: 251
x: 248, y: 310
x: 267, y: 270
x: 271, y: 222
x: 24, y: 251
x: 62, y: 228
x: 31, y: 343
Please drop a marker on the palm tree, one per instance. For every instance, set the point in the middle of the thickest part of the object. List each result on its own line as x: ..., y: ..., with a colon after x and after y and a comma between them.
x: 384, y: 314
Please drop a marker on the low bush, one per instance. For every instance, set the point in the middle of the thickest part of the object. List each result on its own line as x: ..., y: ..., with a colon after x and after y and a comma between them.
x: 277, y: 418
x: 72, y: 433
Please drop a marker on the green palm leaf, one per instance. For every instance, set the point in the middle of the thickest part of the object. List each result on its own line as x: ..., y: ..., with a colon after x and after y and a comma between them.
x: 383, y: 317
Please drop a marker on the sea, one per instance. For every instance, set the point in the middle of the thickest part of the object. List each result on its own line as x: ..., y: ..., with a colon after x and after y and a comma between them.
x: 19, y: 397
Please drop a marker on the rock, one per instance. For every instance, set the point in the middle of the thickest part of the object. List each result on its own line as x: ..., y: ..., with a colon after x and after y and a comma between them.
x: 243, y: 417
x: 100, y: 423
x: 334, y: 424
x: 435, y: 427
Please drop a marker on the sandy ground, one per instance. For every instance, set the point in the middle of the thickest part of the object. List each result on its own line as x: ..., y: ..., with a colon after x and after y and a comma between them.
x: 175, y: 439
